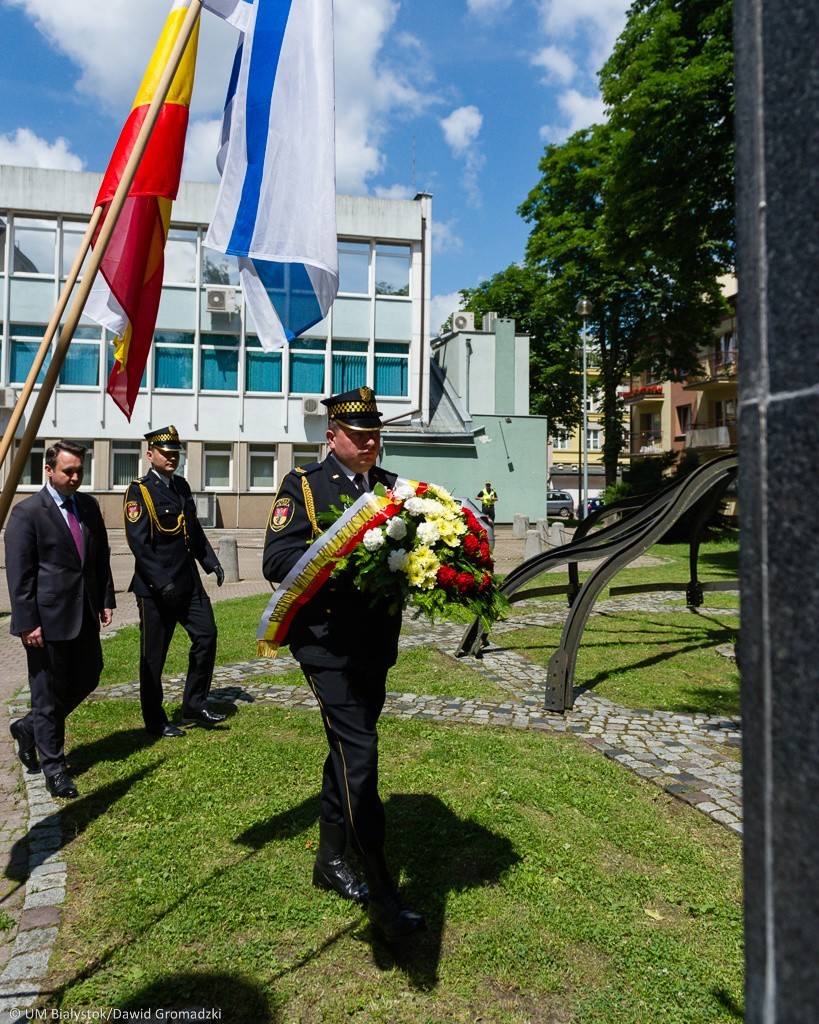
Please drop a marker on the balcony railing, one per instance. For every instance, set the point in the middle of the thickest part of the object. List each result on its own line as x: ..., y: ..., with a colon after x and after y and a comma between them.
x: 720, y: 365
x: 645, y: 393
x: 646, y: 442
x: 712, y: 435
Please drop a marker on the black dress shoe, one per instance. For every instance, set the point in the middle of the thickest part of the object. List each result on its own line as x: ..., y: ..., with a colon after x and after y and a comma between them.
x: 26, y: 750
x: 166, y: 729
x: 203, y: 717
x: 61, y: 785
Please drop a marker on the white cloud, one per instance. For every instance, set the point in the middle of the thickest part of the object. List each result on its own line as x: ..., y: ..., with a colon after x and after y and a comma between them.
x: 462, y: 128
x: 556, y: 62
x: 441, y: 307
x: 580, y: 112
x: 25, y: 149
x: 201, y: 145
x: 444, y: 238
x: 483, y: 7
x: 111, y: 42
x: 370, y: 91
x: 601, y: 20
x: 396, y: 192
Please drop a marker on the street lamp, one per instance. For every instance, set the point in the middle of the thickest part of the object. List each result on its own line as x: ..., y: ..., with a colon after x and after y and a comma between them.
x: 583, y: 309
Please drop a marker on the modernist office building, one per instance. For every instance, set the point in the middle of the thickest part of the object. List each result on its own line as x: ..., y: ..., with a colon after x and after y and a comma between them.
x: 456, y: 409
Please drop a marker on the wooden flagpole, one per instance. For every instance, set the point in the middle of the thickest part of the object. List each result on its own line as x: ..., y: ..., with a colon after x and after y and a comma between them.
x: 51, y: 330
x: 66, y: 335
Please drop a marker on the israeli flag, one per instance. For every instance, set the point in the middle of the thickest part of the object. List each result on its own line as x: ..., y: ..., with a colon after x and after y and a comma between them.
x: 276, y: 208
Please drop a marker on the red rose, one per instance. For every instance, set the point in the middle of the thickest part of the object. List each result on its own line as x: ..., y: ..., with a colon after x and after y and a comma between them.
x: 446, y: 577
x: 471, y: 545
x: 486, y: 553
x: 466, y: 583
x: 485, y: 584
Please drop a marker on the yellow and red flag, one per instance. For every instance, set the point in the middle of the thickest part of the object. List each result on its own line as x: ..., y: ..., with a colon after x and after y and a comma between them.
x: 126, y: 293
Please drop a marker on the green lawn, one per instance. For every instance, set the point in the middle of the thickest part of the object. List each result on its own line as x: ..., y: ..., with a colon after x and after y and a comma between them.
x: 558, y: 887
x: 665, y: 660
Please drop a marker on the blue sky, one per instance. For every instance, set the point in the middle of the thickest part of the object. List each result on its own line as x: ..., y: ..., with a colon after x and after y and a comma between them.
x: 454, y: 97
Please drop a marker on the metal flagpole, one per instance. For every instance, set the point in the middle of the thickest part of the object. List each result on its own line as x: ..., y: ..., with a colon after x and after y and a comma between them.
x: 78, y: 305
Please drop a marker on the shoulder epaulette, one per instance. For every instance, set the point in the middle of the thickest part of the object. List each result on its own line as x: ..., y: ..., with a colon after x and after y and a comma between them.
x: 311, y: 467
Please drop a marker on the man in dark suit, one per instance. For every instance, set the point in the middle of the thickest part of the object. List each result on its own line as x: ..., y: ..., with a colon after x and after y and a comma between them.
x: 345, y: 647
x: 59, y: 578
x: 167, y: 540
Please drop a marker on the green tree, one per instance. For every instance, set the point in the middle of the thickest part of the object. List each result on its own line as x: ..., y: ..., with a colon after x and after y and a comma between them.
x: 635, y: 214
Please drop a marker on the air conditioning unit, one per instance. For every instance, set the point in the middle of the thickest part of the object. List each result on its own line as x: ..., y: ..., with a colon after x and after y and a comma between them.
x: 8, y: 398
x: 221, y: 300
x: 462, y: 321
x: 489, y: 321
x: 312, y: 407
x: 205, y: 503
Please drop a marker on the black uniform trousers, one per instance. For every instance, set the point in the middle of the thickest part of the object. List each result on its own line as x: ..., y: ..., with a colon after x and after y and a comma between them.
x: 351, y: 700
x: 157, y: 622
x: 61, y: 675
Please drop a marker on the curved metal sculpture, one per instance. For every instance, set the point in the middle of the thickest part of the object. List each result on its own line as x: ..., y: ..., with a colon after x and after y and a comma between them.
x: 643, y: 521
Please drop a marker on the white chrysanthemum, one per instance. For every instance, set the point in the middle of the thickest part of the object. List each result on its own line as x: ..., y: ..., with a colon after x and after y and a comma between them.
x: 373, y: 539
x: 404, y: 492
x: 432, y: 508
x: 397, y: 560
x: 428, y: 533
x: 396, y: 528
x: 415, y: 506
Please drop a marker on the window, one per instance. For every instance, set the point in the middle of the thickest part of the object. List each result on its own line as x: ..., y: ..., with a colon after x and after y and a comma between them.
x: 261, y: 468
x: 34, y: 469
x: 109, y: 358
x: 354, y: 267
x: 218, y: 463
x: 173, y: 360
x: 180, y: 257
x: 391, y: 368
x: 349, y: 365
x: 392, y: 269
x: 2, y: 246
x: 684, y: 418
x: 125, y: 456
x: 82, y: 361
x: 35, y: 246
x: 73, y: 234
x: 307, y: 366
x: 219, y: 369
x: 88, y: 462
x: 594, y: 439
x: 263, y: 370
x: 561, y: 440
x: 304, y: 455
x: 217, y: 268
x: 25, y: 343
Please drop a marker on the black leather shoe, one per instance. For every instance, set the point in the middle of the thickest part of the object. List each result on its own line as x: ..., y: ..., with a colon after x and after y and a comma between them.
x: 26, y: 750
x: 166, y: 729
x: 331, y: 871
x: 203, y: 717
x: 61, y: 785
x: 389, y: 915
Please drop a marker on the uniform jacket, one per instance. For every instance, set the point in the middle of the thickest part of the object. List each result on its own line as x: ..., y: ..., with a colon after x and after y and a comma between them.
x: 338, y: 626
x: 48, y: 584
x: 165, y: 536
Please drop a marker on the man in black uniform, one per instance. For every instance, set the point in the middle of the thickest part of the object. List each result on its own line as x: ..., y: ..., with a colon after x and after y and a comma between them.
x: 345, y: 647
x: 167, y: 540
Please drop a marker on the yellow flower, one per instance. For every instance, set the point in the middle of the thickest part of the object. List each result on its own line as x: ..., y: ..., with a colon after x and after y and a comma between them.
x: 422, y: 565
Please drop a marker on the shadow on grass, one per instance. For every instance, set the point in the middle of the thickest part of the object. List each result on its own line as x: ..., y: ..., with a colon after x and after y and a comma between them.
x: 431, y: 850
x: 435, y: 853
x: 56, y: 831
x: 189, y: 996
x: 724, y: 998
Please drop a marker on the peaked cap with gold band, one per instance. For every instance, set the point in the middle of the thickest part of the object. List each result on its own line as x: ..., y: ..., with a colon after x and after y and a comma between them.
x: 355, y: 409
x: 166, y: 438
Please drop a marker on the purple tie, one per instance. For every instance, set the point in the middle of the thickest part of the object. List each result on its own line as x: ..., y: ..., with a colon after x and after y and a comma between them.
x: 74, y: 525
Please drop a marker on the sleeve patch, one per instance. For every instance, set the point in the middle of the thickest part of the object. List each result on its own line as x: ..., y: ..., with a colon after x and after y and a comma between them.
x: 283, y: 511
x: 133, y: 510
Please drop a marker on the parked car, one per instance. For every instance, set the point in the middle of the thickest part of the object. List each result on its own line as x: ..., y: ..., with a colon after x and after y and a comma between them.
x: 594, y: 504
x: 559, y: 503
